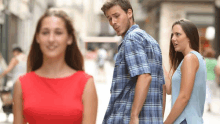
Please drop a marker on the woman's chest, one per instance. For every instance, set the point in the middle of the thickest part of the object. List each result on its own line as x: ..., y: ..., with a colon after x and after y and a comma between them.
x: 54, y: 103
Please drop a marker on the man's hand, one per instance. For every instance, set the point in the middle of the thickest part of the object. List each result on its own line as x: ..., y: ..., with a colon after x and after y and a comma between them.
x: 134, y: 120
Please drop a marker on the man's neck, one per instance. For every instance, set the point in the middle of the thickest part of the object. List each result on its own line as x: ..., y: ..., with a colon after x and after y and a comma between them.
x: 133, y: 23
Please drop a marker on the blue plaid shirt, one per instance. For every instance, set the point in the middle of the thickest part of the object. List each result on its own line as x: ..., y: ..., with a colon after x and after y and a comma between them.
x: 139, y: 53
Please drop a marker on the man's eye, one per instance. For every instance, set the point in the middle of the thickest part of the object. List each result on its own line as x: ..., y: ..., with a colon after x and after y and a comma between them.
x: 178, y: 34
x: 109, y: 19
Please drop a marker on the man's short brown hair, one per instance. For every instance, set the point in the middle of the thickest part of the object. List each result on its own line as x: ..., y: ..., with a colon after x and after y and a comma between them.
x: 124, y: 4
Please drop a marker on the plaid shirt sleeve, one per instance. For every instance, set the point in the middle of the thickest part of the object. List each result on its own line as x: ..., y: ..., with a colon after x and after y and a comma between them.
x: 136, y: 58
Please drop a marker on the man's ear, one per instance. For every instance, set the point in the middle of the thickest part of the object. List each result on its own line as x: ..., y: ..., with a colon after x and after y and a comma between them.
x: 129, y: 13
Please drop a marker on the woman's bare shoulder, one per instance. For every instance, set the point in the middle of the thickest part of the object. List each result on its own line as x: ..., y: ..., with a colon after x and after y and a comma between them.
x: 190, y: 60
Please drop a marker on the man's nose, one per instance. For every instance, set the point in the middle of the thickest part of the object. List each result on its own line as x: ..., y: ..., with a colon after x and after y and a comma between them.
x: 114, y: 21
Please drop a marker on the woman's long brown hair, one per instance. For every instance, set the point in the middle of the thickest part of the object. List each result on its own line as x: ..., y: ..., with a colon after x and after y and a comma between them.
x: 73, y: 56
x: 192, y: 33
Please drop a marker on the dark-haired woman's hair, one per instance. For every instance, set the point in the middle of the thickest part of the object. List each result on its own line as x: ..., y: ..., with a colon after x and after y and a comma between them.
x: 17, y: 49
x: 192, y: 33
x: 73, y: 56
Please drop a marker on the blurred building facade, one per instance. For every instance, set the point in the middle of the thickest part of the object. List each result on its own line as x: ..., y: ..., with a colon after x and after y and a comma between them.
x: 162, y: 14
x: 18, y: 19
x: 18, y: 22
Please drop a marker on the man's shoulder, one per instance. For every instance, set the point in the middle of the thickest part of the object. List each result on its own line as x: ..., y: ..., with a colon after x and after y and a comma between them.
x: 137, y: 33
x: 141, y: 35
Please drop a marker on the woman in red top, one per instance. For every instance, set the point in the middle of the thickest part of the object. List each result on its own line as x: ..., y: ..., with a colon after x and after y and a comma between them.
x: 55, y: 90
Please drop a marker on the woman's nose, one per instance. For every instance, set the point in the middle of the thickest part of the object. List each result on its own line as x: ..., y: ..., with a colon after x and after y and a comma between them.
x: 173, y: 38
x: 51, y: 37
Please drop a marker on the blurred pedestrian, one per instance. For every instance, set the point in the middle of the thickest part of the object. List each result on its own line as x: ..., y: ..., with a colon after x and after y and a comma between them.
x: 92, y: 54
x: 90, y: 63
x: 187, y: 76
x: 101, y: 59
x: 3, y: 66
x: 137, y: 86
x: 55, y: 90
x: 18, y: 64
x: 217, y: 70
x: 211, y: 63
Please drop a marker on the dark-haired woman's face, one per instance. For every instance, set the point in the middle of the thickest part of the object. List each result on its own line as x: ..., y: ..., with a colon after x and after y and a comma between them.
x: 53, y: 37
x: 179, y: 39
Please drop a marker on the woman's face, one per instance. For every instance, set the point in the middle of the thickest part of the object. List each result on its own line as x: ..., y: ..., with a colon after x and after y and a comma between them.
x: 179, y: 39
x: 53, y: 37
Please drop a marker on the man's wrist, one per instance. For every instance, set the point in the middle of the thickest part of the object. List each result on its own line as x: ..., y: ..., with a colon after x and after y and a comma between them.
x: 134, y: 115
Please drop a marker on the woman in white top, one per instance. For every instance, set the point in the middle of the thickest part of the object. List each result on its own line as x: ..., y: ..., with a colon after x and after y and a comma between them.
x: 18, y: 63
x: 3, y: 66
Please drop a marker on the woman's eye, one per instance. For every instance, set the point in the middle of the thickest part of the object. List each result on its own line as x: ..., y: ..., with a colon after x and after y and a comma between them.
x: 59, y: 33
x: 44, y: 33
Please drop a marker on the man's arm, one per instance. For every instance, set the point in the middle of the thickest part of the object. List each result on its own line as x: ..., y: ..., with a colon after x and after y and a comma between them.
x: 11, y: 65
x: 138, y: 65
x: 141, y: 90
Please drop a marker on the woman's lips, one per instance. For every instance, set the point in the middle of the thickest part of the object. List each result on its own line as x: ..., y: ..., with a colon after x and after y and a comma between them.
x: 51, y: 47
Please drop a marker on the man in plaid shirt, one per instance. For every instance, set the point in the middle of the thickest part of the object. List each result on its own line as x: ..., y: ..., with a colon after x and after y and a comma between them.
x: 138, y: 88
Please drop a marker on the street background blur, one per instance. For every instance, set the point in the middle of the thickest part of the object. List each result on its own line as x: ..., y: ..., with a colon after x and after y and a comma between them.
x: 98, y: 42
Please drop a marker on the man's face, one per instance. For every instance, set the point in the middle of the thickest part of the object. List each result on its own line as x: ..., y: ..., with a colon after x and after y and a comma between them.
x: 119, y: 19
x: 15, y: 53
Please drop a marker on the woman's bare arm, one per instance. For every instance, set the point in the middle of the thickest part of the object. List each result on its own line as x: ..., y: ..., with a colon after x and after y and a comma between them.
x: 168, y: 83
x: 17, y: 104
x: 189, y: 68
x: 90, y: 103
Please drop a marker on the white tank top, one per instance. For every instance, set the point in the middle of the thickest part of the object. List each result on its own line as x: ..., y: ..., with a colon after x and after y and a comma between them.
x: 21, y: 67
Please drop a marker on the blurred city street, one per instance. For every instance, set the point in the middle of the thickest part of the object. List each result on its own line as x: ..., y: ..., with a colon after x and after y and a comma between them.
x: 103, y: 84
x: 98, y: 41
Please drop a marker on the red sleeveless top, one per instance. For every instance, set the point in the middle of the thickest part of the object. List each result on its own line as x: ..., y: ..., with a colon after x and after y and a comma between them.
x: 53, y: 101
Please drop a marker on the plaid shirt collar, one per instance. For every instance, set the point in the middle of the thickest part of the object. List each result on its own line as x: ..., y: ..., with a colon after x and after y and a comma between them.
x: 129, y: 30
